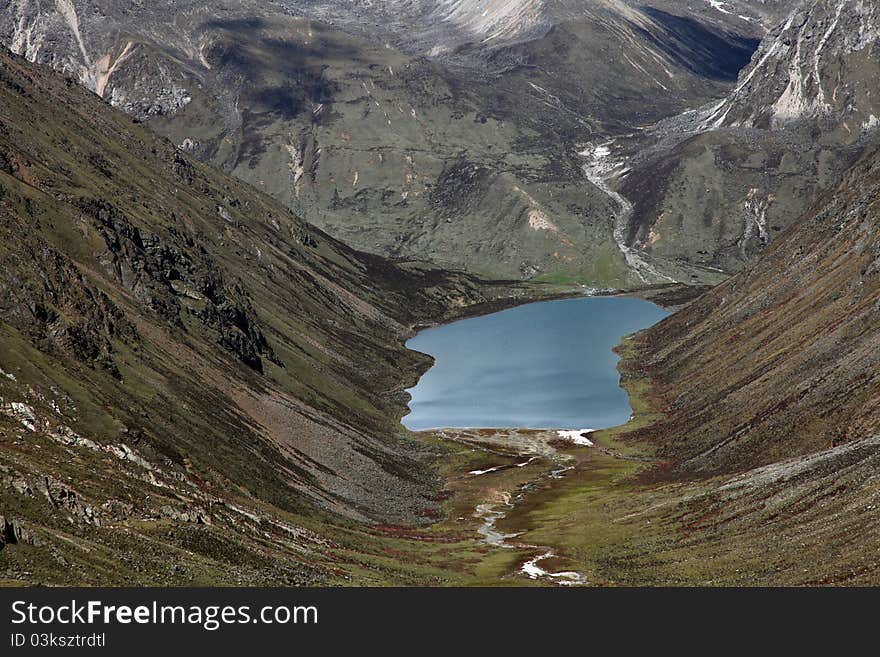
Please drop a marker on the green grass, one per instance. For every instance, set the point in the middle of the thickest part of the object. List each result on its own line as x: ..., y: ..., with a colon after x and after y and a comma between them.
x: 606, y: 270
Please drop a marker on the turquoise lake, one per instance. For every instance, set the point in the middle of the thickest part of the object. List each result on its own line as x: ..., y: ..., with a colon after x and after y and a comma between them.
x: 539, y: 366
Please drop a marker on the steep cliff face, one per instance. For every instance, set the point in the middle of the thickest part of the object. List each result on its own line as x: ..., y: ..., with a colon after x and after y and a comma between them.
x: 820, y: 64
x: 782, y: 359
x: 728, y: 178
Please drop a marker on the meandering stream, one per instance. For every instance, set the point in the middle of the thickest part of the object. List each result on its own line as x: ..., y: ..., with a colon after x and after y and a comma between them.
x: 490, y: 514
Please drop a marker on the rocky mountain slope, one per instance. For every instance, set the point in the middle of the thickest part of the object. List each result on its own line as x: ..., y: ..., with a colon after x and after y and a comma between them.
x: 440, y: 130
x: 728, y: 178
x: 819, y: 64
x: 178, y: 347
x: 761, y: 403
x: 433, y: 27
x: 781, y: 360
x: 461, y: 29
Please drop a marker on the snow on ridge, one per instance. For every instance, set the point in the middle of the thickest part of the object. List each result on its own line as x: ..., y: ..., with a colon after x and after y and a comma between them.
x: 503, y: 18
x: 719, y: 6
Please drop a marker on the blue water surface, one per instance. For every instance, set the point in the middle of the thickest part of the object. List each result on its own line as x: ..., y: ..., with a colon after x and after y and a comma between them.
x: 542, y: 365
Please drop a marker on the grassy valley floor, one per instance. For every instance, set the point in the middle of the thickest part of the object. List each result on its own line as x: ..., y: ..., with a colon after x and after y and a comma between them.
x: 514, y: 495
x: 517, y: 508
x: 609, y: 515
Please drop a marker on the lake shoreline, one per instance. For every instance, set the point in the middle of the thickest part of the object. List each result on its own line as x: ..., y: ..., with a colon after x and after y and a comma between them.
x: 521, y: 471
x: 542, y: 365
x: 669, y: 296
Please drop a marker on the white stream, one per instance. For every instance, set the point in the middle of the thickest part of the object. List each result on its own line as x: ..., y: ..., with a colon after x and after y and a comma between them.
x: 490, y: 513
x: 597, y: 169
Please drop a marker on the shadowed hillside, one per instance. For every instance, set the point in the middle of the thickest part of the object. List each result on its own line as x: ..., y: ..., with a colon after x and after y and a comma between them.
x: 173, y: 340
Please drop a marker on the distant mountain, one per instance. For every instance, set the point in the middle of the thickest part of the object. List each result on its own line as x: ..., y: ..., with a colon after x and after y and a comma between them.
x: 819, y: 64
x: 716, y: 185
x: 439, y: 130
x: 461, y: 28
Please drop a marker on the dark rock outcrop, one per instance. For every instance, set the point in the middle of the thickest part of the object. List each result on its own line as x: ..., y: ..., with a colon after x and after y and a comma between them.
x: 43, y: 294
x: 172, y: 279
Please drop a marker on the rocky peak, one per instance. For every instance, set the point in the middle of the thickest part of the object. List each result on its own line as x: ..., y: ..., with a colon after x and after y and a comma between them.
x: 820, y: 63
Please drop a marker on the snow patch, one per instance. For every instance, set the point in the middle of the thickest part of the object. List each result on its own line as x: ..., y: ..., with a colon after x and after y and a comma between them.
x: 477, y: 473
x: 577, y: 436
x: 719, y: 6
x: 565, y: 578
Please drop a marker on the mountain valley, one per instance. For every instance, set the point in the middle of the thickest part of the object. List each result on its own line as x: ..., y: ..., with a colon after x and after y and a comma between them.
x: 221, y: 223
